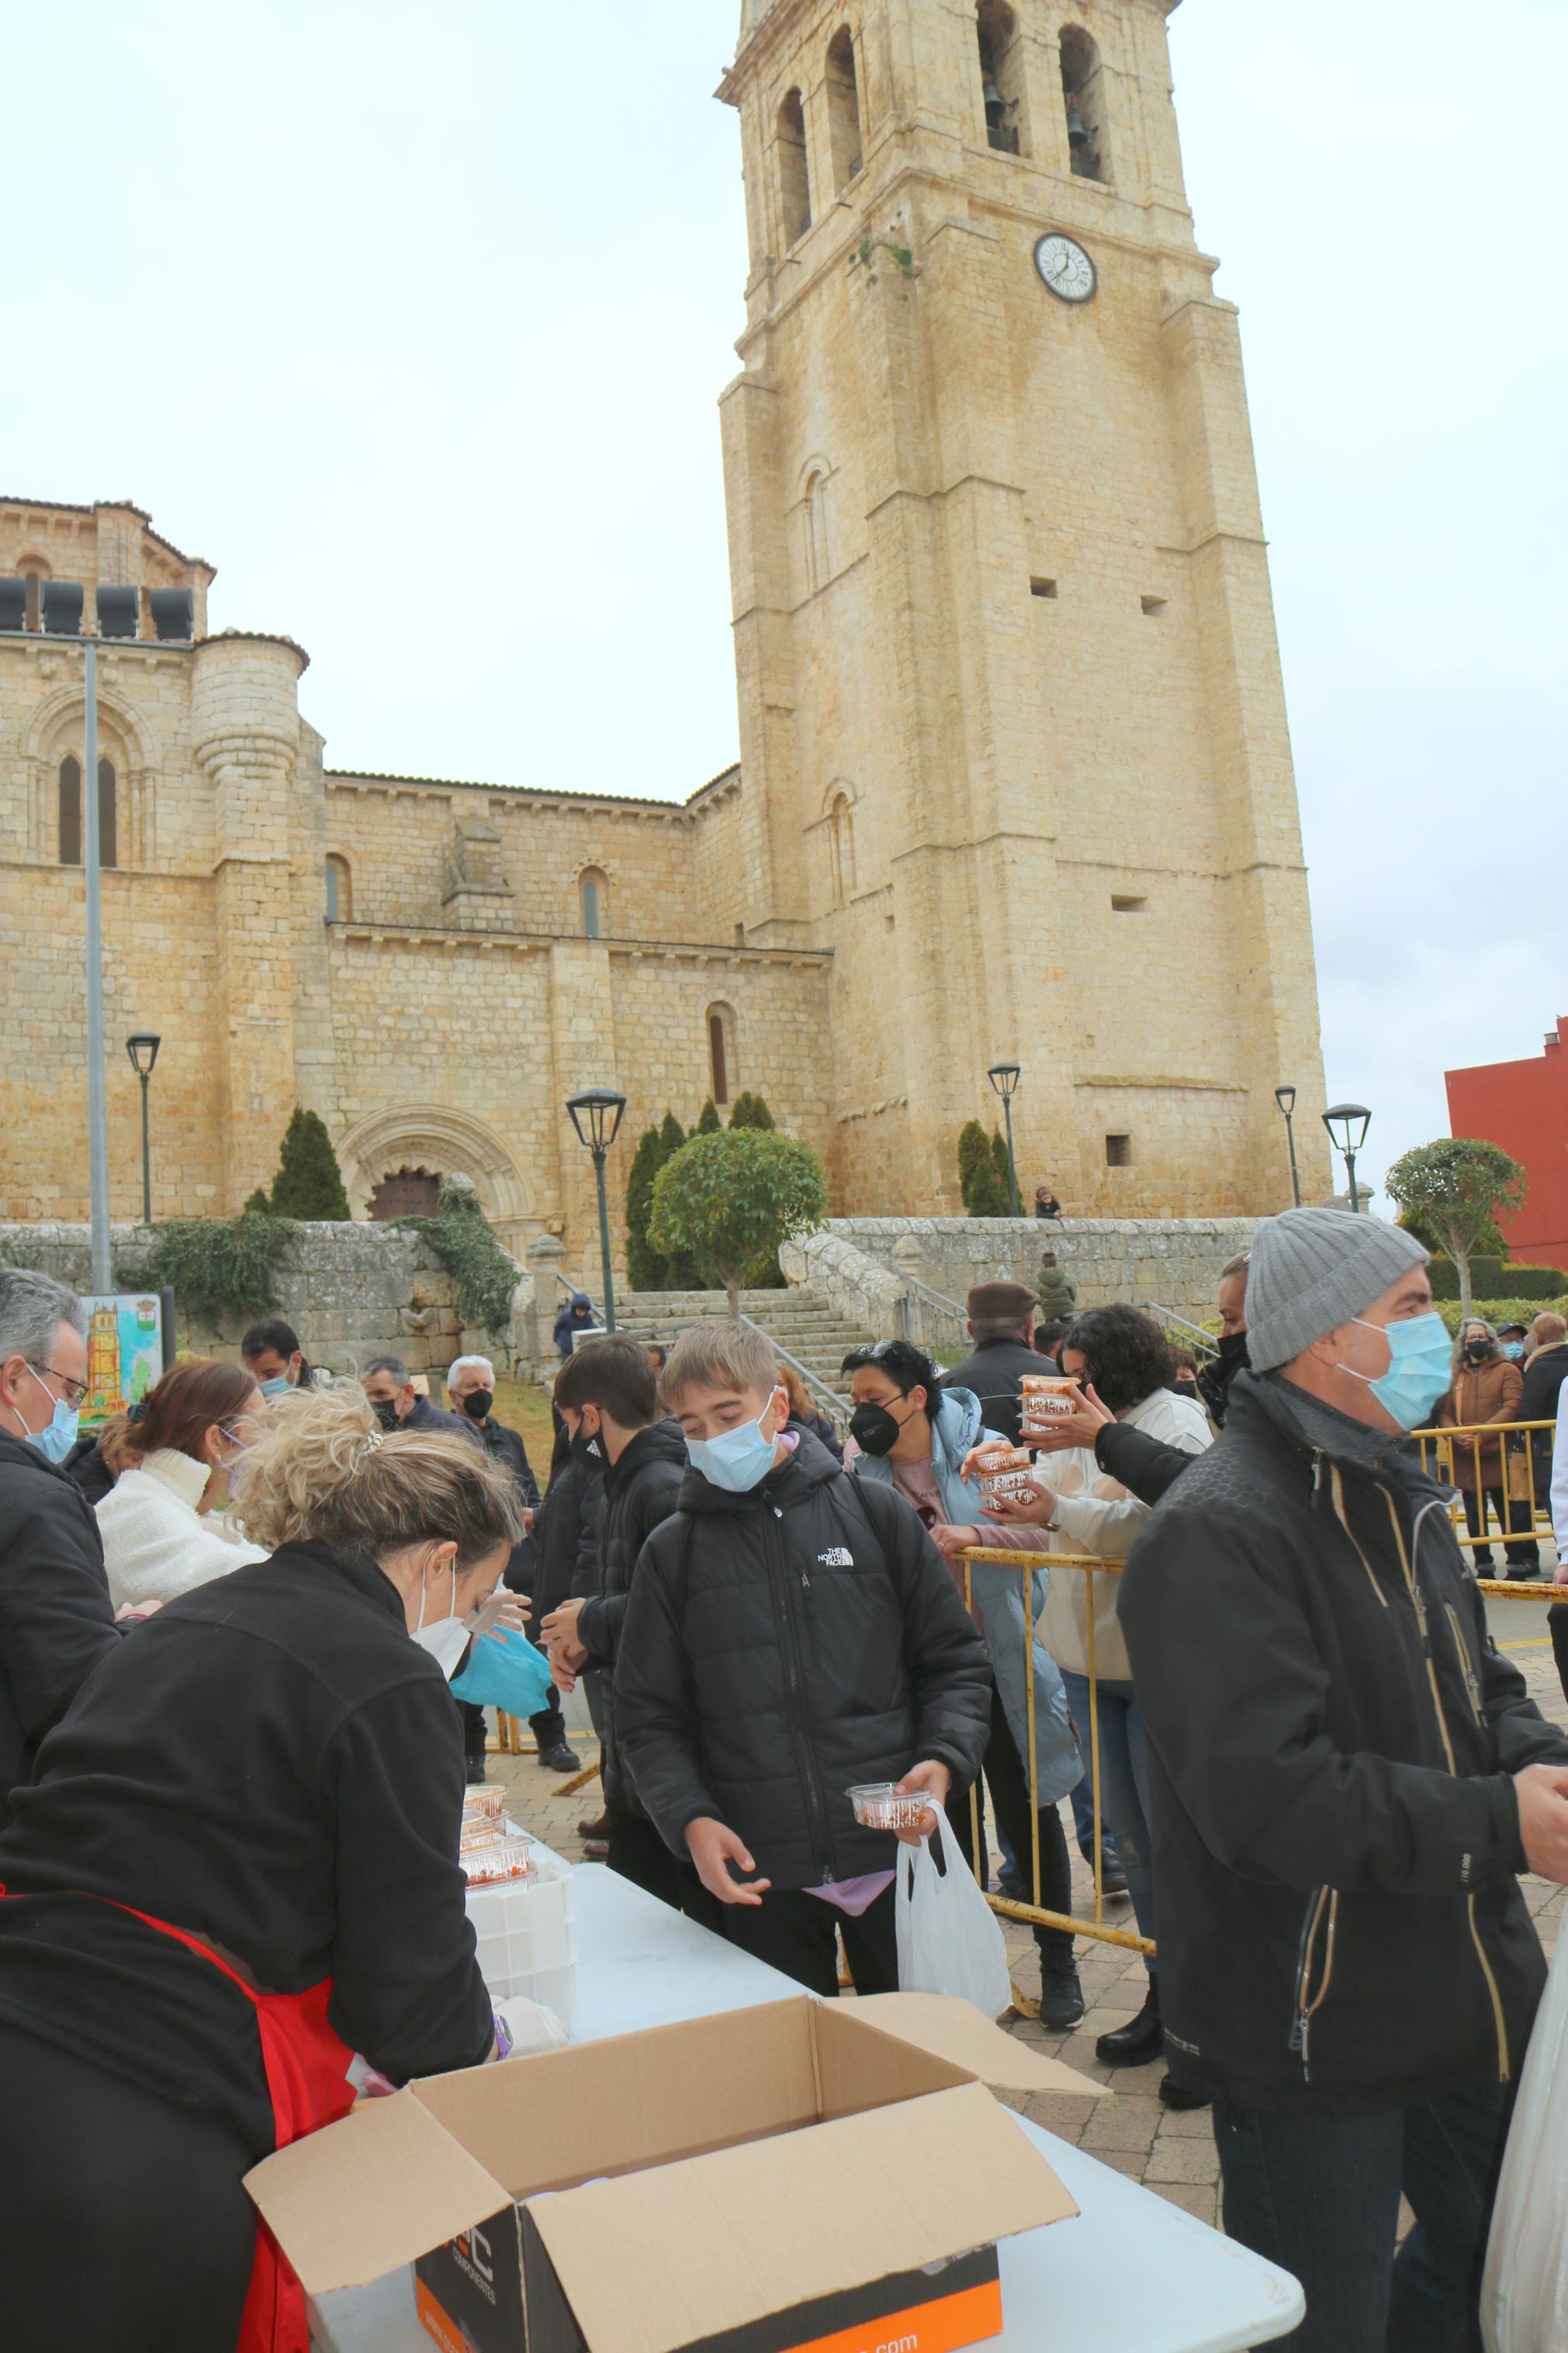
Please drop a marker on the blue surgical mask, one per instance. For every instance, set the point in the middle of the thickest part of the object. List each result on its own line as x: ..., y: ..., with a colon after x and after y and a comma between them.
x: 58, y: 1435
x: 1514, y: 1348
x: 276, y: 1385
x: 739, y: 1460
x: 1420, y: 1368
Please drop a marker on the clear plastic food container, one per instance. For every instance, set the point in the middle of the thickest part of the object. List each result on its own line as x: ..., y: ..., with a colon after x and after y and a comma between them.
x: 1007, y: 1487
x: 879, y: 1806
x: 1045, y: 1399
x: 509, y: 1857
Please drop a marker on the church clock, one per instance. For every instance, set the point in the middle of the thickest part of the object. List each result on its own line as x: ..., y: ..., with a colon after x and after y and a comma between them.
x: 1066, y: 267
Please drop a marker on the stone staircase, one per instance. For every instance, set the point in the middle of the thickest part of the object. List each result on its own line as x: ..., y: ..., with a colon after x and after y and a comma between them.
x: 812, y: 1331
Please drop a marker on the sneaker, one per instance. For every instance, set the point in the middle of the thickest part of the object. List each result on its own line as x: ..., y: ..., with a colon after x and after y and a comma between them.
x: 1181, y: 2096
x: 1061, y: 1996
x: 1141, y: 2040
x: 560, y: 1760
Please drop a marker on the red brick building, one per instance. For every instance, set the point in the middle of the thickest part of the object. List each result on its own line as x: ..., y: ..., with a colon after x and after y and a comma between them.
x: 1523, y: 1106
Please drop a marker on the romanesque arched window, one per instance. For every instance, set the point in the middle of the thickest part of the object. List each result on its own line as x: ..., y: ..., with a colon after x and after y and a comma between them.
x: 593, y: 899
x: 794, y: 178
x: 841, y: 848
x: 843, y: 108
x: 1083, y: 95
x: 35, y: 571
x: 1002, y: 77
x: 721, y: 1053
x: 108, y: 818
x: 72, y: 847
x: 339, y: 891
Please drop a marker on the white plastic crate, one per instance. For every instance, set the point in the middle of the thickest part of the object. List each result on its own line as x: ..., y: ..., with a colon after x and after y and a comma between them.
x: 527, y: 1932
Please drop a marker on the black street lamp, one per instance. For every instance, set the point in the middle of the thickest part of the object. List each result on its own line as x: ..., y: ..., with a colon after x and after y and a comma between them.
x: 143, y: 1051
x: 1286, y: 1098
x: 1347, y: 1125
x: 602, y: 1108
x: 1004, y: 1078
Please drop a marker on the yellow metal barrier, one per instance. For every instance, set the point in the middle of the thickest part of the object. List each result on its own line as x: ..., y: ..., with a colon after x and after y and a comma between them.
x: 1086, y: 1565
x: 1508, y: 1461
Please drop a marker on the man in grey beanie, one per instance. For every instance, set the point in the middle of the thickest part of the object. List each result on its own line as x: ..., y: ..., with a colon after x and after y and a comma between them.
x: 1346, y: 1778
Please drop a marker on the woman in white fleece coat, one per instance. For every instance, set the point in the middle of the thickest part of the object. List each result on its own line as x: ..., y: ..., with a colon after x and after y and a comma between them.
x: 161, y: 1536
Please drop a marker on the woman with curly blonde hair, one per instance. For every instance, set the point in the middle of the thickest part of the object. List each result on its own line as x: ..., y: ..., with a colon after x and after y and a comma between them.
x: 236, y: 1868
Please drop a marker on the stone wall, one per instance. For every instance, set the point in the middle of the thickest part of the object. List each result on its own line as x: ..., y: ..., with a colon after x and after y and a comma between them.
x: 351, y: 1291
x: 1172, y: 1262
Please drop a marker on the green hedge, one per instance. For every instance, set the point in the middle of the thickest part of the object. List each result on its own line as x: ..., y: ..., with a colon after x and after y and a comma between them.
x: 1502, y: 1311
x: 1498, y: 1279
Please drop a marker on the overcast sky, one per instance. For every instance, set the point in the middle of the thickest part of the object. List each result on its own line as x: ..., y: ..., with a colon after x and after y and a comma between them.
x: 412, y: 323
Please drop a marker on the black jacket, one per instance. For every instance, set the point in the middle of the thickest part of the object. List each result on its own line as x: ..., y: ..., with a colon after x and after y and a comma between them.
x: 1543, y: 1377
x: 423, y: 1415
x: 561, y: 1559
x: 506, y: 1447
x: 1145, y: 1466
x: 271, y: 1763
x: 1332, y: 1739
x: 993, y: 1373
x: 56, y: 1618
x: 780, y: 1646
x: 640, y: 1492
x: 86, y: 1465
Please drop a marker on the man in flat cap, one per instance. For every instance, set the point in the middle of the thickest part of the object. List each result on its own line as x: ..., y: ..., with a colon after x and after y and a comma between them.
x: 1346, y: 1779
x: 1002, y: 1326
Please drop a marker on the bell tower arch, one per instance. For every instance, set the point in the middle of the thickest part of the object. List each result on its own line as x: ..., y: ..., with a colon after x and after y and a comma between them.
x: 1036, y: 626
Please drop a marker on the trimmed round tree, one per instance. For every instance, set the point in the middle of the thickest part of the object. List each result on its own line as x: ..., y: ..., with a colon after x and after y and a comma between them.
x: 729, y: 1199
x: 1458, y: 1188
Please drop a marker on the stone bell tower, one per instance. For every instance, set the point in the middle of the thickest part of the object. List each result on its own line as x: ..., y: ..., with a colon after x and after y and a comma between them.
x: 1012, y: 730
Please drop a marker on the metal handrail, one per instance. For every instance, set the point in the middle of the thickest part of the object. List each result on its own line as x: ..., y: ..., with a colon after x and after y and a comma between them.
x: 839, y: 1407
x: 1203, y: 1343
x: 950, y: 1321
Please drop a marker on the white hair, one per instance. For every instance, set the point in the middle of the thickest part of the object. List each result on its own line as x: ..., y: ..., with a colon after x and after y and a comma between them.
x: 33, y: 1306
x: 471, y: 1364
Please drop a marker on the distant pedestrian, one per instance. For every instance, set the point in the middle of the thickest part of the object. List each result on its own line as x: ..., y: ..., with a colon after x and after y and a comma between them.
x: 804, y: 1415
x: 1486, y: 1387
x: 397, y: 1404
x: 1046, y: 1202
x: 1215, y: 1377
x: 1001, y: 1323
x: 1055, y: 1289
x: 471, y: 1386
x: 163, y: 1526
x: 1049, y: 1334
x: 55, y: 1620
x: 274, y: 1358
x: 576, y: 1317
x: 1184, y: 1380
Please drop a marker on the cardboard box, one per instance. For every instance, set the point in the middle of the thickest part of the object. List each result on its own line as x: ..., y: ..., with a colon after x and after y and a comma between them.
x: 804, y: 2174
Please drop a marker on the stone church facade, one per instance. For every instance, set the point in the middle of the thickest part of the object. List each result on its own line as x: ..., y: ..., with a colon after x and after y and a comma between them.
x: 1014, y: 779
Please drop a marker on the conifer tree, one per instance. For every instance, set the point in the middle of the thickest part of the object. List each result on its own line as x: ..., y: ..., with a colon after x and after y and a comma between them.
x: 709, y: 1122
x: 645, y: 1268
x: 751, y: 1110
x: 308, y: 1183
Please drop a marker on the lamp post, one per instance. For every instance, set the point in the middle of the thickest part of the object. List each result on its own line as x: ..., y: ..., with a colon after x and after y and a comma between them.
x: 97, y: 1100
x: 601, y: 1107
x: 142, y: 1050
x: 1004, y: 1077
x: 1286, y: 1098
x: 1347, y: 1125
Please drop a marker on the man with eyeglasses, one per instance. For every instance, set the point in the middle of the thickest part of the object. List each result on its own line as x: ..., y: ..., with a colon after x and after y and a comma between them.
x: 55, y: 1618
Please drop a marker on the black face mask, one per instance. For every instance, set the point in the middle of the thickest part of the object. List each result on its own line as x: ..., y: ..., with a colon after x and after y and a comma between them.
x: 1232, y: 1353
x: 874, y: 1430
x: 478, y: 1403
x: 1477, y: 1351
x: 386, y: 1415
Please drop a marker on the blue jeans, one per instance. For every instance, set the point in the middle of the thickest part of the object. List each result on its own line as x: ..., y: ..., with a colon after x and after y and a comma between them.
x: 1320, y: 2195
x: 1123, y: 1782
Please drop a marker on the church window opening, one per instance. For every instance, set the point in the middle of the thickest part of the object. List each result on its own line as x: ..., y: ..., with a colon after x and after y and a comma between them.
x: 794, y: 179
x: 408, y: 1193
x: 813, y: 525
x: 1124, y: 906
x: 1083, y: 95
x: 841, y: 848
x: 1002, y: 78
x: 720, y: 1052
x: 1042, y: 587
x: 339, y: 891
x: 72, y: 847
x: 593, y: 897
x: 1119, y: 1152
x: 35, y: 572
x: 843, y: 108
x: 1153, y: 604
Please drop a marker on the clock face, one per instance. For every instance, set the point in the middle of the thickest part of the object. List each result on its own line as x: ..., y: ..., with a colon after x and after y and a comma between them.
x: 1066, y: 267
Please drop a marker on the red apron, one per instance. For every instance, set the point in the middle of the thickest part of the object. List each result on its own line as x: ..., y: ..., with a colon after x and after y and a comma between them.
x: 306, y: 2081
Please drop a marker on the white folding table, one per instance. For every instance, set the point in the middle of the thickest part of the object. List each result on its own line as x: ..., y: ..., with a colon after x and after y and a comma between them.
x: 1130, y: 2274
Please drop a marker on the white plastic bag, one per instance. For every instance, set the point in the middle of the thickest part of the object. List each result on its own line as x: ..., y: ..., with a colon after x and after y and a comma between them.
x: 950, y: 1940
x: 1524, y: 2288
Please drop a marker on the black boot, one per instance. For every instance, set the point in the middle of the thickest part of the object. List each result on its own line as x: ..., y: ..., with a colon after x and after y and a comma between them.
x: 475, y: 1772
x: 1061, y: 1996
x: 1181, y: 2096
x: 1141, y: 2040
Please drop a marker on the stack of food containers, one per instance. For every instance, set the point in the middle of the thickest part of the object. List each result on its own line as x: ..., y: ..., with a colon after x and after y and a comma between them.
x: 521, y: 1907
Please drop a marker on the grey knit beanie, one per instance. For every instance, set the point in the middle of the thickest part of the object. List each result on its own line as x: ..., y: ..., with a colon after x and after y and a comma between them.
x: 1312, y: 1269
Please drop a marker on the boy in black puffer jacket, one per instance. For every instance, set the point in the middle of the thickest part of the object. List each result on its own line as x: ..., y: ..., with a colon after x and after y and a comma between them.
x: 788, y: 1634
x: 606, y: 1392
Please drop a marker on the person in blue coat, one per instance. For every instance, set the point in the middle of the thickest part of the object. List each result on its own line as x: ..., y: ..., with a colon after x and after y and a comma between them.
x: 577, y: 1315
x: 912, y: 1433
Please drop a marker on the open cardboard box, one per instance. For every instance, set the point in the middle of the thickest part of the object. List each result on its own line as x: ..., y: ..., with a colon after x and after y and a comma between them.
x: 801, y: 2174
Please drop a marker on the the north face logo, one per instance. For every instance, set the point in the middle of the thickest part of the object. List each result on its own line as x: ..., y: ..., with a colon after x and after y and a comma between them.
x: 836, y: 1557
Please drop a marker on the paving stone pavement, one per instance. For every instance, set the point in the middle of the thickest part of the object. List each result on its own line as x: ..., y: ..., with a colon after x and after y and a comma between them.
x: 1171, y: 2153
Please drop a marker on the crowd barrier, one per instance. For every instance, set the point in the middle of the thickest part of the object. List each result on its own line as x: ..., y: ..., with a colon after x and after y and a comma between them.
x: 1505, y: 1464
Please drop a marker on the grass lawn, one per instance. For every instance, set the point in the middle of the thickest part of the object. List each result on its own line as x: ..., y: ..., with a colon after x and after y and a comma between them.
x: 524, y: 1407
